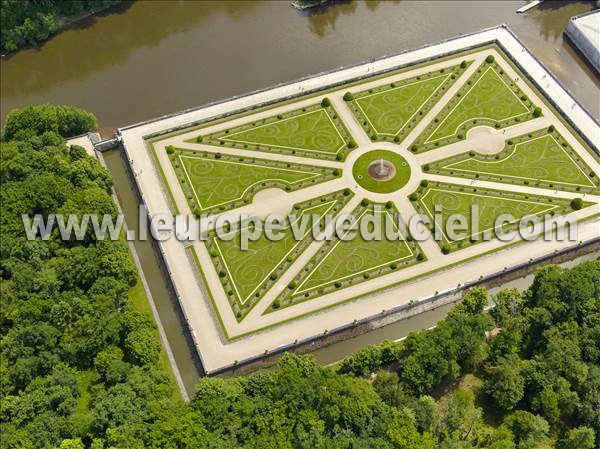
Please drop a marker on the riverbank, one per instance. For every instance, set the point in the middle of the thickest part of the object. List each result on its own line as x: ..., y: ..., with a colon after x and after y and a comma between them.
x: 100, y: 63
x: 396, y: 326
x: 31, y: 27
x: 100, y: 58
x: 248, y: 340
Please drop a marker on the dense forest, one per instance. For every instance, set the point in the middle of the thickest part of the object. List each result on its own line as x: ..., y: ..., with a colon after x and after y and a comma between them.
x: 29, y: 22
x: 82, y: 367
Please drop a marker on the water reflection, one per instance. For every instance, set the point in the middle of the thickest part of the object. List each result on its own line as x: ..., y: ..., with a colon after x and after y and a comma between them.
x: 551, y: 17
x: 323, y: 18
x: 153, y: 58
x: 79, y: 51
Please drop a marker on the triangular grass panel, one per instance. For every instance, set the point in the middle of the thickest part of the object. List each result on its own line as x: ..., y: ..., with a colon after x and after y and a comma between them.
x: 354, y: 258
x: 480, y: 209
x: 489, y: 97
x: 541, y: 159
x: 314, y: 131
x: 391, y: 111
x: 216, y: 182
x: 248, y: 274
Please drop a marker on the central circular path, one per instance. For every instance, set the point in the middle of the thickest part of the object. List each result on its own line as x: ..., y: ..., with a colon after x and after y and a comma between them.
x: 381, y: 171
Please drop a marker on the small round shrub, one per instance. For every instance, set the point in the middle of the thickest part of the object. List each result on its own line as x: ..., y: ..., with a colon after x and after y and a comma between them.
x: 424, y: 183
x: 420, y: 257
x: 537, y: 112
x: 551, y: 129
x: 170, y: 149
x: 426, y: 167
x: 489, y: 59
x: 463, y: 64
x: 389, y: 205
x: 348, y: 96
x: 576, y: 203
x: 199, y: 139
x: 276, y: 304
x: 364, y: 202
x: 352, y: 144
x: 325, y: 102
x: 292, y: 285
x: 446, y: 248
x: 413, y: 197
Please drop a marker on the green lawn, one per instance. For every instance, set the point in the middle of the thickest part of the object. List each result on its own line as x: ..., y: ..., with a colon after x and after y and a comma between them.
x: 389, y: 112
x: 312, y: 131
x: 249, y: 269
x: 361, y: 174
x: 315, y: 131
x: 489, y: 97
x: 540, y: 158
x: 218, y: 182
x: 248, y: 274
x: 487, y: 205
x: 353, y: 259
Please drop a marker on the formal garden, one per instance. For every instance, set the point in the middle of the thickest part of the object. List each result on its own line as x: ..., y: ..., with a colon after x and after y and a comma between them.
x: 313, y: 131
x: 542, y: 159
x: 488, y: 98
x: 83, y: 366
x: 391, y: 111
x: 368, y: 150
x: 481, y: 209
x: 247, y: 274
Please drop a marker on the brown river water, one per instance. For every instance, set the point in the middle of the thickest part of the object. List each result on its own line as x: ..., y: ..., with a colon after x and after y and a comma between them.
x: 150, y: 58
x: 145, y: 59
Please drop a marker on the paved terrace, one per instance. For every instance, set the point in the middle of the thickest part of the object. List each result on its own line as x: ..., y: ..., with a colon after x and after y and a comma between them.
x: 218, y: 353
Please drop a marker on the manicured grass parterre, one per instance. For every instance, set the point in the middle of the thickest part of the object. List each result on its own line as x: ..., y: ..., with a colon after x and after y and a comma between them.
x: 248, y: 274
x: 354, y: 258
x: 489, y: 97
x: 218, y: 173
x: 391, y: 111
x: 480, y: 209
x: 315, y: 131
x: 214, y: 182
x: 360, y: 171
x: 541, y: 159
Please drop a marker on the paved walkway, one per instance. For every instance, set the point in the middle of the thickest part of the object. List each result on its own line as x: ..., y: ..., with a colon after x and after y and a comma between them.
x: 85, y: 142
x: 215, y: 351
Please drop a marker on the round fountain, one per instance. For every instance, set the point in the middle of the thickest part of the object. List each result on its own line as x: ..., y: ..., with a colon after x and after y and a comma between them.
x: 381, y: 170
